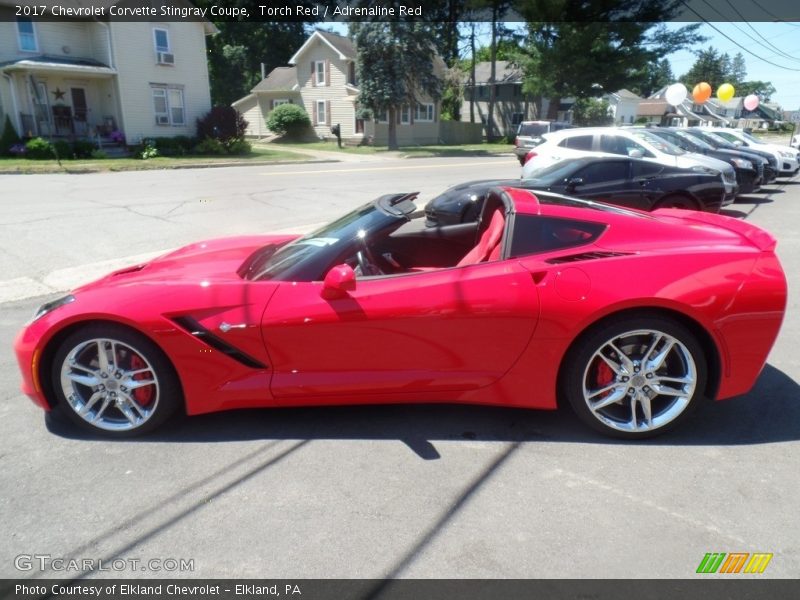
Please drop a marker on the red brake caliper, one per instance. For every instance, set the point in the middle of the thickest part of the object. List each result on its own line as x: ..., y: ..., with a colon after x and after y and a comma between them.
x: 142, y: 395
x: 603, y: 374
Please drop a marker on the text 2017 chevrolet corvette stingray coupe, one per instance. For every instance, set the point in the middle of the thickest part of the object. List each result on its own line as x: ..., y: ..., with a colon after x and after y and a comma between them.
x: 630, y: 317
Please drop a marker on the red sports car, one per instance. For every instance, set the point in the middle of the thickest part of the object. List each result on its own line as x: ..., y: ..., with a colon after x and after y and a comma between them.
x: 631, y: 317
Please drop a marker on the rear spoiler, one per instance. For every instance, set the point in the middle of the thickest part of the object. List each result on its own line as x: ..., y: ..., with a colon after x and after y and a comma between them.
x: 761, y: 239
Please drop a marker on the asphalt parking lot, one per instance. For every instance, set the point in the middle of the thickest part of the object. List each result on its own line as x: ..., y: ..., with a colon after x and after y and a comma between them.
x: 368, y: 492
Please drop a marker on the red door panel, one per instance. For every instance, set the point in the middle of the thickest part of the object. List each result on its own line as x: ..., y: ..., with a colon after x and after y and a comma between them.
x: 450, y: 329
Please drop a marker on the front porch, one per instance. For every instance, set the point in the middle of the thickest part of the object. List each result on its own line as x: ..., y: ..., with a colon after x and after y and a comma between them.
x: 56, y: 98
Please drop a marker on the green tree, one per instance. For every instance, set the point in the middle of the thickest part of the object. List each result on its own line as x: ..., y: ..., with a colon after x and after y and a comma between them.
x: 395, y: 67
x: 608, y: 50
x: 763, y: 89
x: 8, y: 138
x: 591, y: 112
x: 653, y: 77
x: 236, y: 53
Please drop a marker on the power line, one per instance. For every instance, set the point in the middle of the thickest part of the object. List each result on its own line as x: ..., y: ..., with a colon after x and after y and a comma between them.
x: 776, y: 17
x: 770, y: 44
x: 761, y: 58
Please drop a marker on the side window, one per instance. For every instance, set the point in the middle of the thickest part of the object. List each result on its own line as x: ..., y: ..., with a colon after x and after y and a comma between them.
x: 535, y: 234
x: 578, y: 142
x: 642, y: 168
x: 603, y: 172
x: 617, y: 144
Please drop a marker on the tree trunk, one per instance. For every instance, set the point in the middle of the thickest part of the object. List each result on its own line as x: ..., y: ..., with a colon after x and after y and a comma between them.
x: 392, y: 143
x: 552, y: 110
x: 492, y: 86
x: 472, y: 74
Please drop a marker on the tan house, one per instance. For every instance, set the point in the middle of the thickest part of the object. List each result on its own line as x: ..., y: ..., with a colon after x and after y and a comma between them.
x: 84, y: 77
x: 322, y: 79
x: 511, y: 107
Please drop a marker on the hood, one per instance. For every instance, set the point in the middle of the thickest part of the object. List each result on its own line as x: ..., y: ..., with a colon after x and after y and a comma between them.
x: 211, y: 260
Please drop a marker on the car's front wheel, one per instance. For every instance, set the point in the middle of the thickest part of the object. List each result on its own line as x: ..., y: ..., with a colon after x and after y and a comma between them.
x: 635, y: 377
x: 114, y: 381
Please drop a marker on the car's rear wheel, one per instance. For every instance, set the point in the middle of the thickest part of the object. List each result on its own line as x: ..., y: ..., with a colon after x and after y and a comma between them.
x: 678, y: 201
x: 635, y: 377
x: 115, y: 381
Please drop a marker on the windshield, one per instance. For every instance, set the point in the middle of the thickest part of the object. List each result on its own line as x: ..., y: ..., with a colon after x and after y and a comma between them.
x: 533, y: 129
x: 658, y: 143
x: 751, y: 138
x: 320, y: 246
x: 555, y: 172
x: 694, y: 140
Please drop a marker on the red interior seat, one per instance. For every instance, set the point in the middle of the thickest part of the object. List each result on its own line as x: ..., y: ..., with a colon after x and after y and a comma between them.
x: 488, y: 247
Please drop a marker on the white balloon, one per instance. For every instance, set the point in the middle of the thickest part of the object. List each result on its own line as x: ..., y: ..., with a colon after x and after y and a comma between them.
x: 675, y: 94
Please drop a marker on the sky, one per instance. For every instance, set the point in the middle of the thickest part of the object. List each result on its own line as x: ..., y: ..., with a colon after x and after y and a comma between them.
x: 783, y: 39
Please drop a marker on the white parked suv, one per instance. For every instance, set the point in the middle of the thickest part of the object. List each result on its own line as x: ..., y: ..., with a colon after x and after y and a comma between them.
x: 788, y: 158
x: 637, y: 143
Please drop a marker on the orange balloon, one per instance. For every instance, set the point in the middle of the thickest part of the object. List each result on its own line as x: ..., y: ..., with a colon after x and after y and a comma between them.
x: 701, y: 92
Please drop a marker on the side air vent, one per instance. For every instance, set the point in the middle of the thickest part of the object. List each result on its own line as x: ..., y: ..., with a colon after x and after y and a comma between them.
x: 570, y: 258
x: 197, y: 330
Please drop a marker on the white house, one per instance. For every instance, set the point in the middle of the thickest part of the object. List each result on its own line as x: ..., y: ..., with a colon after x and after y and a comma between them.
x: 80, y: 77
x: 321, y: 77
x: 624, y: 105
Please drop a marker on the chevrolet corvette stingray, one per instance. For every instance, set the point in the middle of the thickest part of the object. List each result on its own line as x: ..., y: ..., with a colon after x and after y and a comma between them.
x: 632, y: 318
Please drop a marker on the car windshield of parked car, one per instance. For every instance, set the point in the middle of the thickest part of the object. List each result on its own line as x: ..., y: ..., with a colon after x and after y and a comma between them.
x: 330, y: 240
x: 555, y: 173
x: 751, y: 138
x: 659, y: 144
x: 693, y: 140
x: 533, y: 129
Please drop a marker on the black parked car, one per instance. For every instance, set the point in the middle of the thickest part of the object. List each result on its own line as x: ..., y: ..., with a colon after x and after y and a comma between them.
x: 749, y: 168
x: 720, y: 143
x: 622, y: 181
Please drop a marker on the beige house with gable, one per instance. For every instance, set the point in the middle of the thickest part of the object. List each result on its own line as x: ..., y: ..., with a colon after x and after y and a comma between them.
x: 87, y: 78
x: 322, y: 79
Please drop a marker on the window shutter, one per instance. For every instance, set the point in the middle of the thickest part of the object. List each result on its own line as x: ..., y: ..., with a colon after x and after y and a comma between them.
x: 411, y: 114
x: 327, y: 72
x: 327, y: 112
x: 435, y: 112
x: 314, y: 114
x: 397, y: 112
x: 273, y: 104
x: 313, y: 74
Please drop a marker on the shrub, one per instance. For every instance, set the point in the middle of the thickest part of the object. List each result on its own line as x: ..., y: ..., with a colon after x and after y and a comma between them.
x: 9, y: 138
x: 174, y: 146
x: 148, y: 150
x: 99, y: 154
x: 240, y: 148
x: 223, y: 123
x: 39, y: 149
x: 211, y: 145
x: 289, y: 120
x: 83, y: 148
x: 63, y: 149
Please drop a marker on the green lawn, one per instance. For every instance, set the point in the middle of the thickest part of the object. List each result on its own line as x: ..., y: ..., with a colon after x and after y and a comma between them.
x: 411, y: 151
x: 89, y: 165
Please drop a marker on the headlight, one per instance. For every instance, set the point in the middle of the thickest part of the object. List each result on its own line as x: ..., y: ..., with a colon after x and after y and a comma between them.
x: 786, y: 154
x: 51, y: 306
x: 741, y: 163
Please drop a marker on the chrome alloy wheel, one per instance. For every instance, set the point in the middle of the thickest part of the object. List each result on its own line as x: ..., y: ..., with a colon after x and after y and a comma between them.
x: 110, y: 384
x: 639, y: 381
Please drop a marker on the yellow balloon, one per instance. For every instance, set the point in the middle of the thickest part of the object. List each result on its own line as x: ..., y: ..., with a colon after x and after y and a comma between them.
x: 725, y: 92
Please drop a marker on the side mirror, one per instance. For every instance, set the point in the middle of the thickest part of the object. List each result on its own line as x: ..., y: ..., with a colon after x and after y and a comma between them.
x: 340, y: 280
x: 635, y: 153
x: 573, y: 183
x: 738, y: 144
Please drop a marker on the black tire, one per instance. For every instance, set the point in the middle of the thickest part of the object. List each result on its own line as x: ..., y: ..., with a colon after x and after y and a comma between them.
x: 678, y: 201
x: 157, y: 394
x: 583, y: 378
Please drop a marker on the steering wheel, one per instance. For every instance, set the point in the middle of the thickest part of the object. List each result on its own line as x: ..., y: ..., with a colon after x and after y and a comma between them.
x: 366, y: 263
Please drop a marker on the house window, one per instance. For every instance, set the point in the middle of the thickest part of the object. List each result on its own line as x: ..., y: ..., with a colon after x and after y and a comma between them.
x: 168, y: 106
x: 351, y: 73
x: 516, y: 118
x: 424, y: 112
x: 405, y: 115
x: 517, y: 91
x: 161, y: 39
x: 278, y: 101
x: 381, y: 116
x: 322, y: 116
x: 482, y: 92
x: 27, y: 35
x: 319, y: 72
